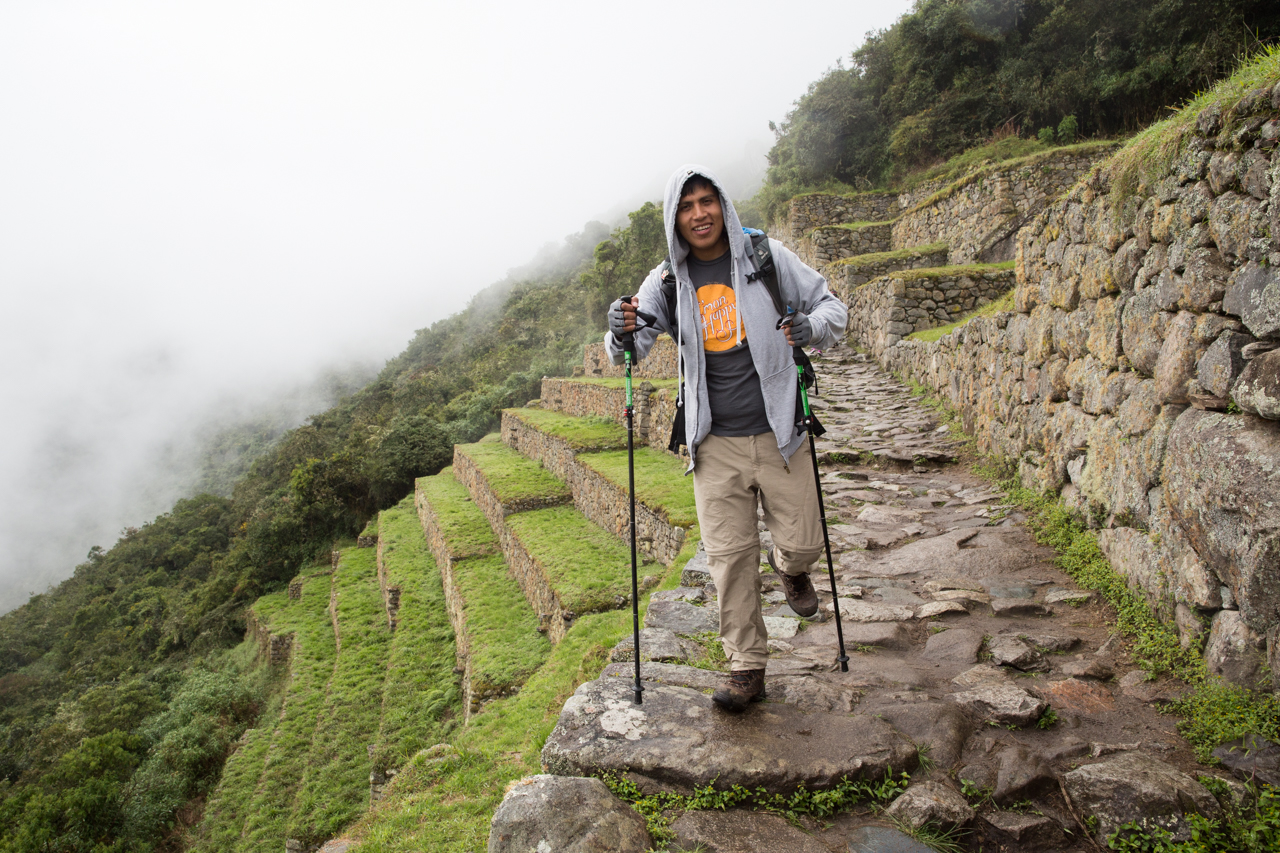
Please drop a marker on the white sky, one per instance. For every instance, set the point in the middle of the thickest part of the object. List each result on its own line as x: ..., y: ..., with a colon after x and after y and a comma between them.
x: 212, y: 201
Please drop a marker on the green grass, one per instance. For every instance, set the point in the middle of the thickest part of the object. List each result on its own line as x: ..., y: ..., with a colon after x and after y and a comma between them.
x: 589, y: 568
x: 513, y: 478
x: 502, y: 629
x: 951, y: 272
x: 445, y: 804
x: 856, y: 226
x: 254, y: 815
x: 581, y: 434
x: 887, y: 257
x: 334, y: 788
x: 462, y: 524
x: 422, y: 699
x: 661, y: 483
x: 1004, y: 303
x: 972, y: 166
x: 1150, y: 155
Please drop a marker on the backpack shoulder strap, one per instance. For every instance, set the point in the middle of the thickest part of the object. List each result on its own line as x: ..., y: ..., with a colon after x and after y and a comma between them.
x: 668, y: 279
x: 766, y: 273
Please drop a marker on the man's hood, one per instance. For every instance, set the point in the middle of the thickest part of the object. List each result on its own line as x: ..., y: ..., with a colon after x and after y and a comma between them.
x: 677, y: 249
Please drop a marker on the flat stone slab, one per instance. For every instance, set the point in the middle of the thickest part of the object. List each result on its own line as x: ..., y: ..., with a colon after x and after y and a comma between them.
x: 681, y: 617
x: 739, y: 831
x: 857, y: 610
x: 884, y: 839
x: 657, y: 644
x: 1005, y: 704
x: 680, y: 738
x: 1019, y: 607
x: 573, y: 815
x: 958, y: 645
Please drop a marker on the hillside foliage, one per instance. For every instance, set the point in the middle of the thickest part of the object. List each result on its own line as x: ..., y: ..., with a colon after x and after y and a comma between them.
x: 950, y: 75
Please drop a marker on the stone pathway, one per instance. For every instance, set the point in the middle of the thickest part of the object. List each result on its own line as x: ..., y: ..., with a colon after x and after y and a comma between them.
x: 975, y: 665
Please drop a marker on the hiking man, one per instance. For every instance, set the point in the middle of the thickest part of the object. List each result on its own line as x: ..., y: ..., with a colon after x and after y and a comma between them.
x: 740, y: 389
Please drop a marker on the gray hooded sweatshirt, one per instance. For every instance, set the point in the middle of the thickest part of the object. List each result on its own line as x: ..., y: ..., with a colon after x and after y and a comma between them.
x: 803, y: 289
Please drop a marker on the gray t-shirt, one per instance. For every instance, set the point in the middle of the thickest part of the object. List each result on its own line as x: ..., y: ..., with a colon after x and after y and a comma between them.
x: 733, y: 387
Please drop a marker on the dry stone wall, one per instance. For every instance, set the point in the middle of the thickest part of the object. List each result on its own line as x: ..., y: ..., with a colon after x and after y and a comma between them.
x: 845, y: 275
x: 659, y: 363
x: 886, y: 310
x: 814, y: 210
x: 978, y: 215
x: 1127, y: 376
x: 830, y: 243
x: 600, y: 500
x: 275, y: 648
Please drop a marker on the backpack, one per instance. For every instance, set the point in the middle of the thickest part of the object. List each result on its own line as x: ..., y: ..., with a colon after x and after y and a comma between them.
x: 767, y: 274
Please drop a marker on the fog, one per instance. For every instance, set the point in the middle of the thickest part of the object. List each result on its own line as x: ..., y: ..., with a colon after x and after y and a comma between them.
x: 205, y: 206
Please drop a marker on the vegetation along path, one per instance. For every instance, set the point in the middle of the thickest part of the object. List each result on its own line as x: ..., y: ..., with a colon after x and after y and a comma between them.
x: 976, y: 666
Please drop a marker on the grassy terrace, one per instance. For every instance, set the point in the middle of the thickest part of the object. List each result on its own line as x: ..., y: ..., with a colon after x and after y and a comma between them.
x: 249, y: 809
x: 588, y: 567
x: 513, y: 478
x: 502, y: 629
x: 855, y: 226
x: 887, y: 257
x: 1004, y: 303
x: 463, y: 525
x: 445, y: 802
x: 421, y: 702
x: 971, y: 270
x: 660, y: 481
x: 581, y: 434
x: 334, y: 787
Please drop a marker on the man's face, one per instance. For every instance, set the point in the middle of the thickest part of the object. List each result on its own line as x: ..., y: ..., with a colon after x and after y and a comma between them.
x: 700, y: 221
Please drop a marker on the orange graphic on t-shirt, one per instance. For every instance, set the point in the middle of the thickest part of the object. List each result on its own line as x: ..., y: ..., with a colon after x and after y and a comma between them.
x: 719, y: 306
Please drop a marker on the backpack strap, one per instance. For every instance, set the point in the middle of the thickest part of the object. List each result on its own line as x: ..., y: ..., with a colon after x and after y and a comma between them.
x: 766, y: 273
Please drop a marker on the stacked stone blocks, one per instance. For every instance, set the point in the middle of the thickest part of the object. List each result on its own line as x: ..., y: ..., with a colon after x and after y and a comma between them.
x: 1139, y: 374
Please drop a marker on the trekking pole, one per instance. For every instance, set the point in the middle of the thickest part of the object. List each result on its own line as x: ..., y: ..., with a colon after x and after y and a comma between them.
x: 629, y: 355
x: 811, y: 425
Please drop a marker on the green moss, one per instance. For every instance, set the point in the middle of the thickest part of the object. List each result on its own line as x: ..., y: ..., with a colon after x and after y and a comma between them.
x: 888, y: 257
x: 514, y: 478
x: 502, y: 629
x: 661, y: 483
x: 971, y: 270
x: 856, y: 226
x: 589, y: 568
x: 581, y: 434
x: 1004, y: 303
x: 422, y: 699
x: 463, y: 526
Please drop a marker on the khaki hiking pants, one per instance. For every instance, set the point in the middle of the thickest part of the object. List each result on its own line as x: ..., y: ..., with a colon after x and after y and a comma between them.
x: 731, y: 473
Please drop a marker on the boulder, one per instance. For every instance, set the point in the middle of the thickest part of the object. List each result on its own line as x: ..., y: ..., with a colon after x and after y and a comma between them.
x: 569, y: 814
x: 1253, y: 295
x: 1258, y: 389
x: 1017, y: 653
x: 1221, y: 477
x: 1234, y: 651
x: 1222, y: 363
x: 1023, y: 774
x: 656, y: 644
x: 1251, y: 758
x: 678, y: 737
x: 1133, y: 786
x: 955, y: 645
x: 871, y: 838
x: 931, y: 803
x: 944, y: 728
x: 1028, y: 831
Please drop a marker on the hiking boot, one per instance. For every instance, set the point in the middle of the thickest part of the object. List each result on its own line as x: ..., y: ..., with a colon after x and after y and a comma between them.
x: 743, y: 687
x: 801, y: 596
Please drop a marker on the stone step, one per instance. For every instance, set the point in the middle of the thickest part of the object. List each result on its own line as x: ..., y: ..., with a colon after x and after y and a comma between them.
x: 589, y: 454
x: 565, y: 565
x: 847, y: 274
x: 830, y: 243
x: 497, y: 641
x: 654, y: 401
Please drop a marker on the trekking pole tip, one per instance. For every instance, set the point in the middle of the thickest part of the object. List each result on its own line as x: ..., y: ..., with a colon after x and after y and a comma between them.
x: 844, y: 663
